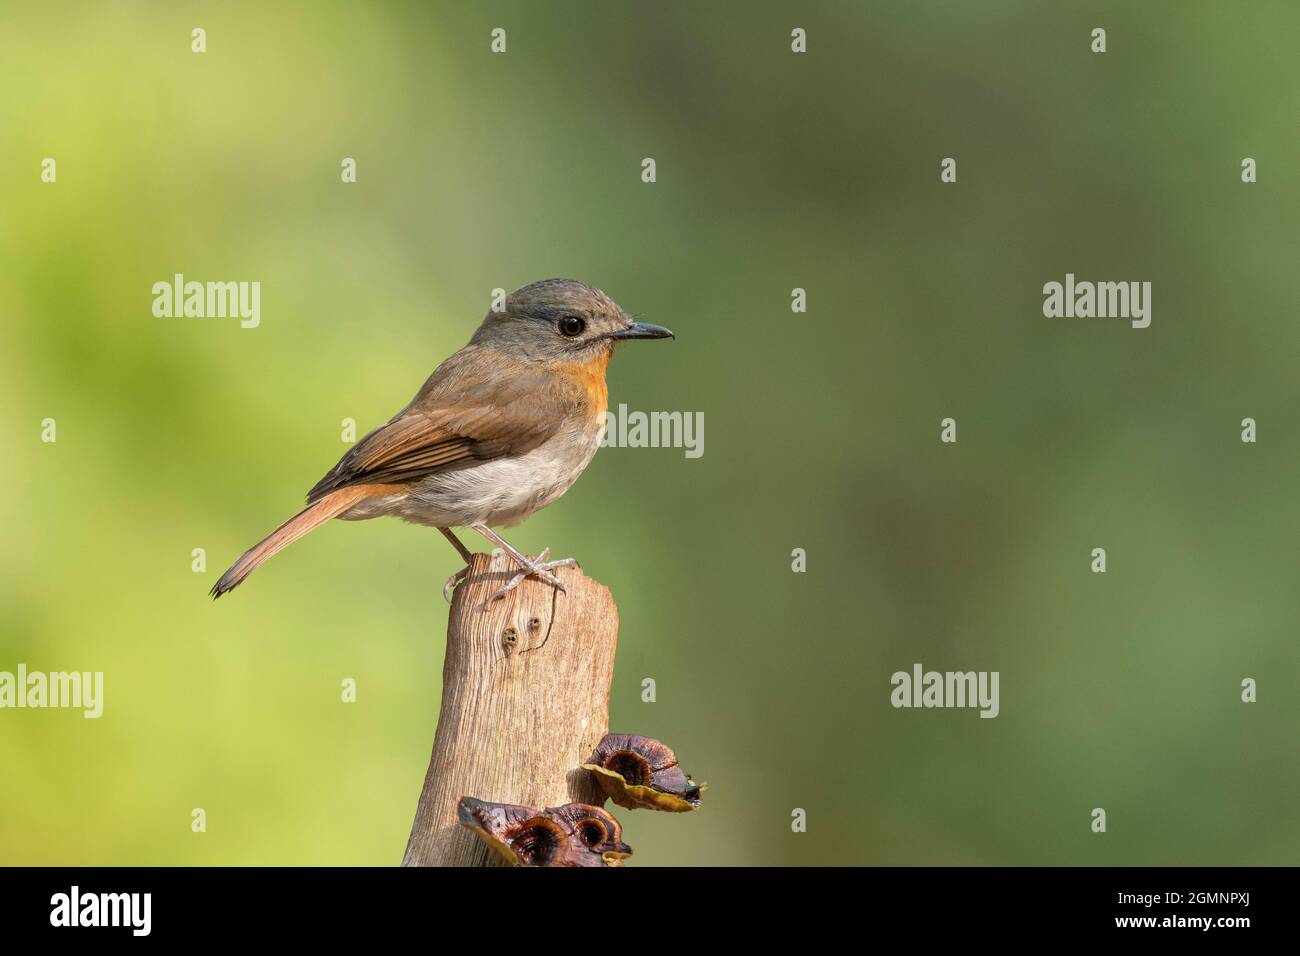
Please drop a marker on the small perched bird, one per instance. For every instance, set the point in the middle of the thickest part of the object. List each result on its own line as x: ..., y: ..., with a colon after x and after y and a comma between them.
x: 500, y: 430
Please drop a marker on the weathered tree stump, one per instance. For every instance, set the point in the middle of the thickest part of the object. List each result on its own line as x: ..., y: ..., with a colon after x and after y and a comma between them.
x: 525, y: 701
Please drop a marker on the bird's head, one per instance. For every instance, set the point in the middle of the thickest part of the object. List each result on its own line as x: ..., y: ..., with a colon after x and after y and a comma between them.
x: 561, y: 320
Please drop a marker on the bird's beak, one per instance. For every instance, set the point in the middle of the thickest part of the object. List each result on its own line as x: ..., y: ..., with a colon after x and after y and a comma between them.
x: 642, y: 330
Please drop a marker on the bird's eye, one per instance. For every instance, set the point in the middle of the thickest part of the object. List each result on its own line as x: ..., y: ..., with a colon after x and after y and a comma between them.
x: 571, y: 325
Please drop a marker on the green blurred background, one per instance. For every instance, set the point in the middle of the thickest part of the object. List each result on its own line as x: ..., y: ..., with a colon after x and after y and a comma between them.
x: 775, y: 170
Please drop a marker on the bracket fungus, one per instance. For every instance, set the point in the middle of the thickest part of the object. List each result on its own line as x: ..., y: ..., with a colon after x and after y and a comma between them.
x: 572, y: 835
x: 639, y: 773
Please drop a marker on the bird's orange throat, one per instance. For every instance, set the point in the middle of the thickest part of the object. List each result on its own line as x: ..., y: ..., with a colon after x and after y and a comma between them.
x: 591, y: 376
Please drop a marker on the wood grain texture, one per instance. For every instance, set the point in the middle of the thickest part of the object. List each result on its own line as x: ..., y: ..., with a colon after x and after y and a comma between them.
x: 525, y: 700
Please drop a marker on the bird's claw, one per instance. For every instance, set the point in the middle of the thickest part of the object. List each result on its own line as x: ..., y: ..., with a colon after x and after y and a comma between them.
x: 452, y: 581
x: 539, y: 568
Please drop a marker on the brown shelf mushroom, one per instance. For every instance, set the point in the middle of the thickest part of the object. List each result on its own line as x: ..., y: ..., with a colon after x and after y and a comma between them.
x: 639, y: 773
x: 572, y: 835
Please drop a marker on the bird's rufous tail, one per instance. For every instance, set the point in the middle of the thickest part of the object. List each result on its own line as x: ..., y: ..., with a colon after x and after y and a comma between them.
x: 331, y: 506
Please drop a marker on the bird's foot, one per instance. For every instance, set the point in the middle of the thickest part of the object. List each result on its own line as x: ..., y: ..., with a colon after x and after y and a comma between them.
x: 537, y: 567
x: 452, y: 581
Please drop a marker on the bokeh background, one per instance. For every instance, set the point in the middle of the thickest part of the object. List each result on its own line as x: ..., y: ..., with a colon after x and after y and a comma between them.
x: 775, y: 170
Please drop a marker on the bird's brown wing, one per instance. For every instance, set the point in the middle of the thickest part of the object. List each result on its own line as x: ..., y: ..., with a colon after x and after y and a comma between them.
x: 478, y: 405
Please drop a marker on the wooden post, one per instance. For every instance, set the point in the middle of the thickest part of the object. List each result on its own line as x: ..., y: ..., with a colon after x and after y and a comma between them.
x: 525, y: 700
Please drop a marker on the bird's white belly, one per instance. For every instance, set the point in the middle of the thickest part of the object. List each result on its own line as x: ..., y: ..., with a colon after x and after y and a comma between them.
x: 498, y: 493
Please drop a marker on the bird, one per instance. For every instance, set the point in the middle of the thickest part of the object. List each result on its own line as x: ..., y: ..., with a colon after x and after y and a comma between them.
x: 501, y: 429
